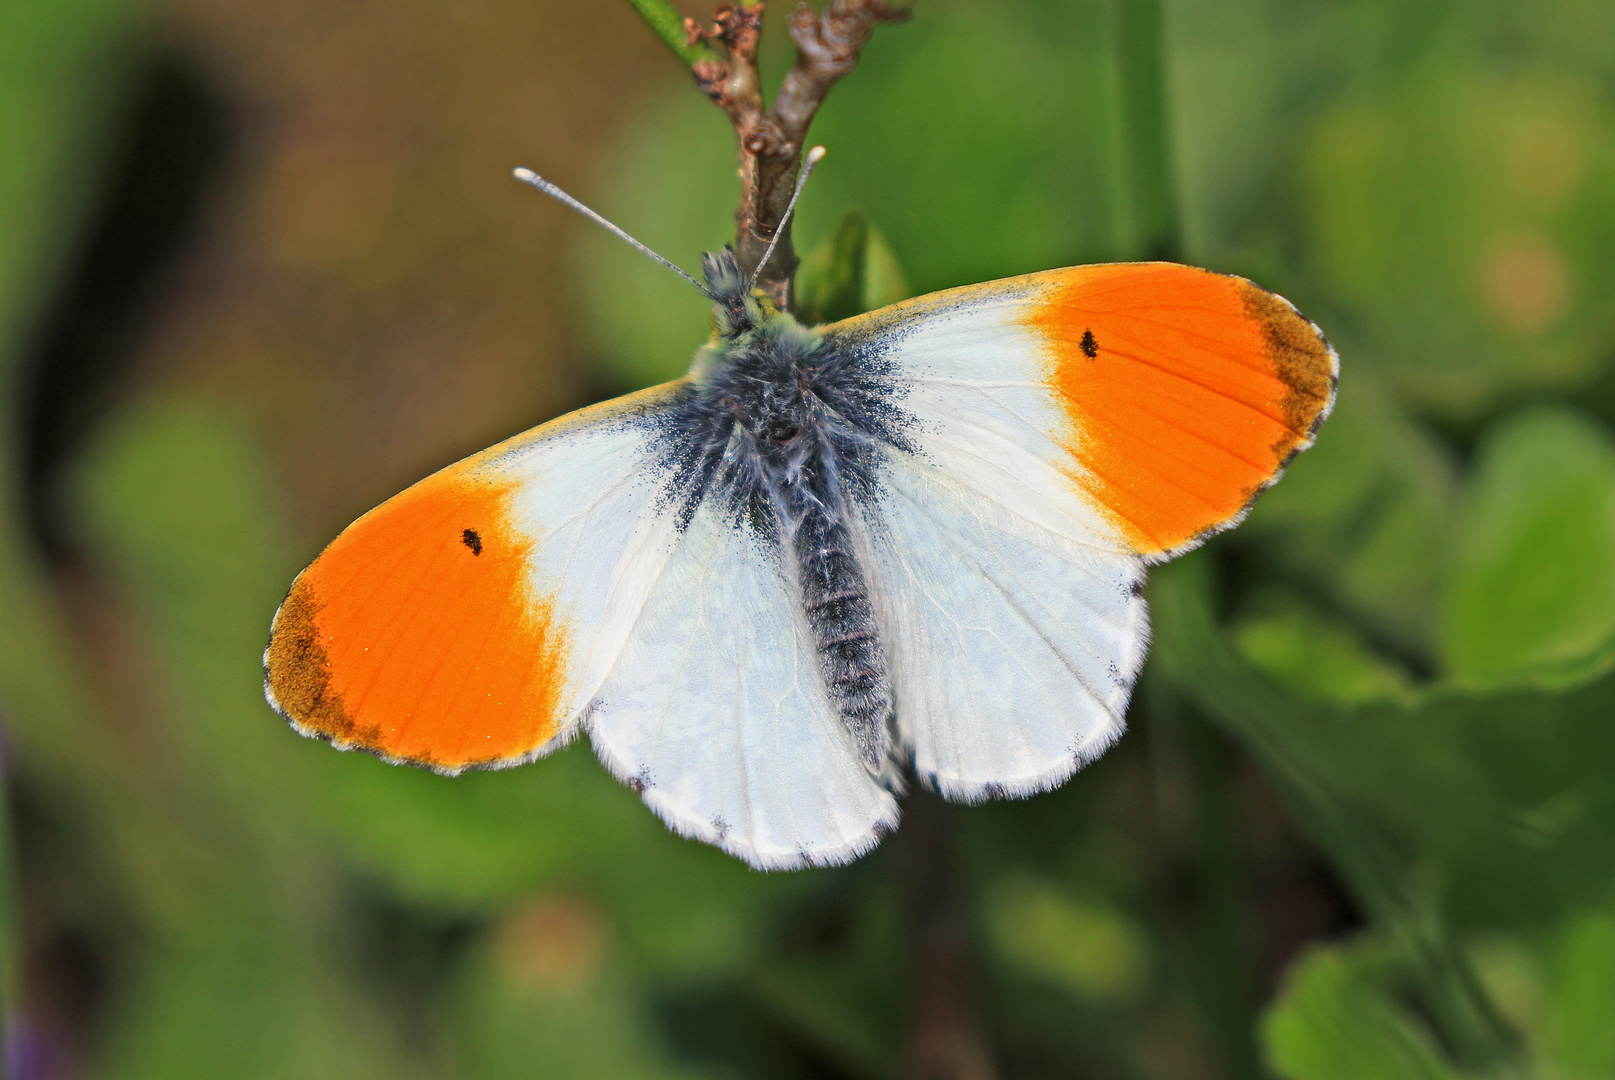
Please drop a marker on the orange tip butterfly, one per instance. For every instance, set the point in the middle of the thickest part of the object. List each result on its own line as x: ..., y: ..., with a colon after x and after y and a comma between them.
x: 914, y: 540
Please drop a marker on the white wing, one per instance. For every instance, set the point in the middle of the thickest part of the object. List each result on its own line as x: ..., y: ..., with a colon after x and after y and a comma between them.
x: 1060, y: 431
x: 717, y: 712
x: 1013, y: 649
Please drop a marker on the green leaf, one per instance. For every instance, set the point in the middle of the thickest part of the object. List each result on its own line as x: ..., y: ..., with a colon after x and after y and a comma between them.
x: 1509, y: 968
x: 246, y: 993
x: 1579, y: 1036
x: 852, y: 272
x: 1092, y: 949
x: 1337, y: 1019
x: 1316, y: 657
x: 1532, y: 593
x: 1504, y: 793
x: 1365, y: 515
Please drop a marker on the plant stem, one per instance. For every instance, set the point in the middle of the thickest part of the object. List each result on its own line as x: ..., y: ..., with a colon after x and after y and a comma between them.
x: 945, y: 1040
x: 668, y: 24
x: 1383, y: 880
x: 1146, y: 128
x: 1189, y: 762
x: 770, y: 140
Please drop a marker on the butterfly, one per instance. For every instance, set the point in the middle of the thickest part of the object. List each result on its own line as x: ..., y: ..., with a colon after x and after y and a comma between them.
x: 913, y: 541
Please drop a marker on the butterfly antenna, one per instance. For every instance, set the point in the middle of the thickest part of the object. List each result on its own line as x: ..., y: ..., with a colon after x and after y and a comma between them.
x: 528, y: 176
x: 812, y: 159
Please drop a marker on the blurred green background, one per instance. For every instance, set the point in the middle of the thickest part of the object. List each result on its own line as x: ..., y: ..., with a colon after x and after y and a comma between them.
x: 261, y: 265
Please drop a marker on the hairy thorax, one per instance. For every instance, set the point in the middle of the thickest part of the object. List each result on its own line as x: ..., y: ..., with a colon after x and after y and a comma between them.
x: 784, y: 434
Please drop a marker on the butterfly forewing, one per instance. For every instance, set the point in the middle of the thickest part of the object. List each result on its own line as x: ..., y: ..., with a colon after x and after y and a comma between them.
x: 1070, y: 427
x: 467, y: 621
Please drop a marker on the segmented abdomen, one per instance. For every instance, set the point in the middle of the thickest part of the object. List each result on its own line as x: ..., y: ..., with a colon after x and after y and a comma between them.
x: 843, y: 621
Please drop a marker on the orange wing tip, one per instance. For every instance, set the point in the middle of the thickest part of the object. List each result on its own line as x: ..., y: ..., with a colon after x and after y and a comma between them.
x: 297, y: 674
x: 417, y: 635
x: 1303, y: 359
x: 1186, y: 392
x: 1309, y: 365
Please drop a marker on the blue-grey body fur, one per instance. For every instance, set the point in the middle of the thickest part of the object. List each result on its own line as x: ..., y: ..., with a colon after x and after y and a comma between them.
x: 784, y: 427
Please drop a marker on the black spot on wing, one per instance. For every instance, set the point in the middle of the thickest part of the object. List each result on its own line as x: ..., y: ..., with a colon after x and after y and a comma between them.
x: 1090, y: 347
x: 641, y: 780
x: 473, y: 540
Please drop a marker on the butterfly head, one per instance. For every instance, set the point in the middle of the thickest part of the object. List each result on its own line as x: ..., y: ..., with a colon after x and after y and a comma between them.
x: 751, y: 337
x: 736, y: 308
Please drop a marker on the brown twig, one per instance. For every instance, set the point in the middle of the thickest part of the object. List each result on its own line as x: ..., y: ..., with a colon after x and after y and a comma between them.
x: 771, y: 140
x: 946, y: 1039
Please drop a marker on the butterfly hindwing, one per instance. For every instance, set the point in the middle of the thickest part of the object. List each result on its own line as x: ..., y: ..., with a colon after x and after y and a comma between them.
x: 1013, y: 649
x: 717, y: 713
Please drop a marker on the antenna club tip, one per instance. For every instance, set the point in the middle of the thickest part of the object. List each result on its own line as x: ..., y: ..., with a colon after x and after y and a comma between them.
x: 815, y: 154
x: 526, y: 175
